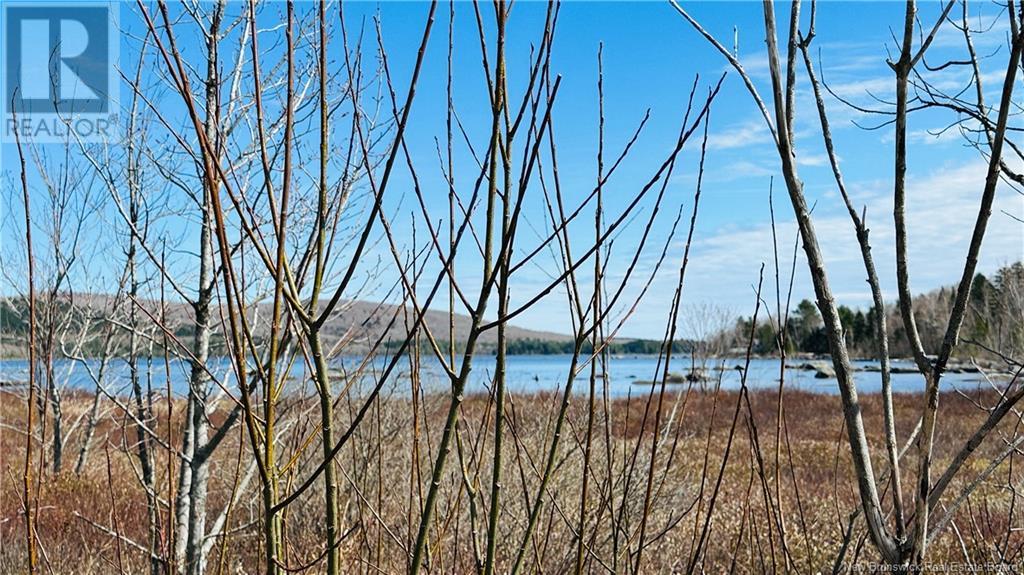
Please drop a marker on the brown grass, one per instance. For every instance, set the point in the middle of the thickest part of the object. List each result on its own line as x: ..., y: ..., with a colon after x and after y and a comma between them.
x: 378, y: 478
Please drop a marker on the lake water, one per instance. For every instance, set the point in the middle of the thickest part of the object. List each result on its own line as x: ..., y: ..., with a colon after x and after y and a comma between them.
x: 525, y: 374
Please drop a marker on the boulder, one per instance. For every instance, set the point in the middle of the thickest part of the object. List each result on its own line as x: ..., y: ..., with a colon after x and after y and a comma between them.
x: 824, y: 372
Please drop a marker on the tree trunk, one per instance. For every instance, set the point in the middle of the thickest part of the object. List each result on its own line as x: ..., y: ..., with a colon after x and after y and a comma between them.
x: 194, y: 477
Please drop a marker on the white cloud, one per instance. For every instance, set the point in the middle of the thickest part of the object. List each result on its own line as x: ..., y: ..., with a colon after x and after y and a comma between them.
x: 740, y: 170
x: 813, y: 160
x: 942, y: 206
x: 931, y: 138
x: 852, y: 89
x: 739, y: 135
x: 989, y: 29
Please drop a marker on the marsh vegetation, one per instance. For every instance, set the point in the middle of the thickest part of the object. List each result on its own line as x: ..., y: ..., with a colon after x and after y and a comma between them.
x: 274, y: 229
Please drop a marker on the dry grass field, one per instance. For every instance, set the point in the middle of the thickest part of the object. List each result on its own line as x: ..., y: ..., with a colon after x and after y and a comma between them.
x: 291, y: 192
x: 96, y: 523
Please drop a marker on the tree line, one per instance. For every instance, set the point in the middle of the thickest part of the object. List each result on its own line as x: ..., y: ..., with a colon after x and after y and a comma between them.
x: 994, y: 321
x: 256, y: 180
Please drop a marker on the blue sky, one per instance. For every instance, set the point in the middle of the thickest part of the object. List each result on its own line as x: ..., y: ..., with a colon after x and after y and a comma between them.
x: 651, y: 56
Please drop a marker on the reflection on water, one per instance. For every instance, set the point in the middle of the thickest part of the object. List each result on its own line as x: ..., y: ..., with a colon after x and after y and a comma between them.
x: 525, y: 374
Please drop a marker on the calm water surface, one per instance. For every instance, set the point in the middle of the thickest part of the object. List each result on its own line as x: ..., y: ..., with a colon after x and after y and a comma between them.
x: 525, y: 374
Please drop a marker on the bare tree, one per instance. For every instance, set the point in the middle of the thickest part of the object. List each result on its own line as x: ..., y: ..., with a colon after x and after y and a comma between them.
x: 893, y: 548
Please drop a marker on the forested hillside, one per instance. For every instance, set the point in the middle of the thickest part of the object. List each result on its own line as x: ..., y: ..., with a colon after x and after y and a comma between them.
x: 993, y: 323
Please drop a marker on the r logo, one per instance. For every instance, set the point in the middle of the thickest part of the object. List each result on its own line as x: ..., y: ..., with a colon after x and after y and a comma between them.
x: 58, y: 61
